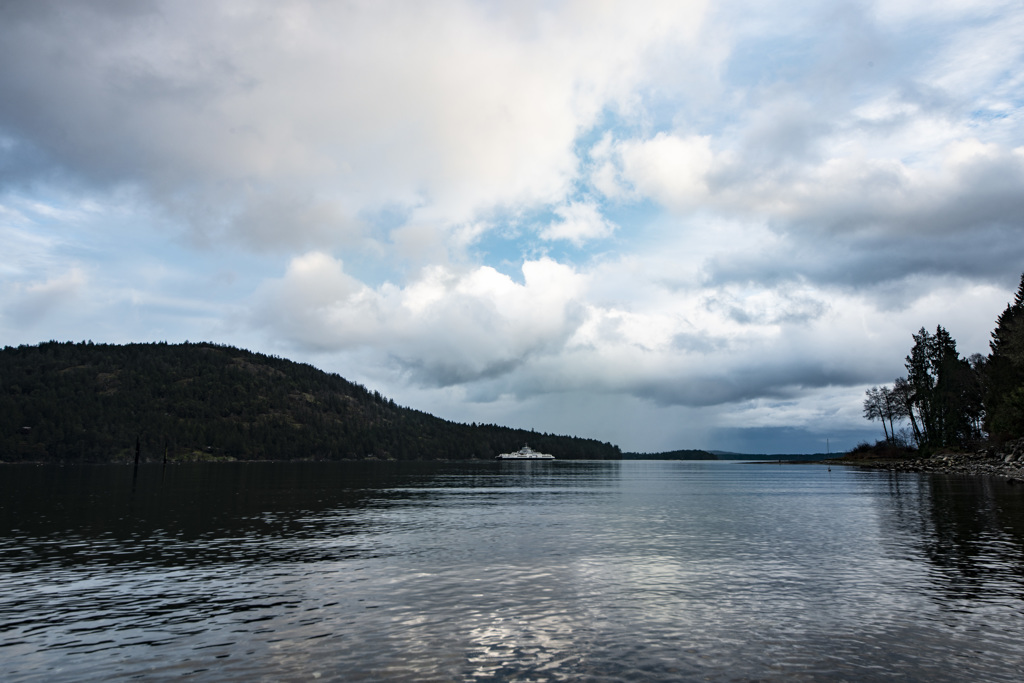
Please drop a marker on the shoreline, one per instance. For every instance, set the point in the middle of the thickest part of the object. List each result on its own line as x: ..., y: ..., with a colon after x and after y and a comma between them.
x: 1006, y: 461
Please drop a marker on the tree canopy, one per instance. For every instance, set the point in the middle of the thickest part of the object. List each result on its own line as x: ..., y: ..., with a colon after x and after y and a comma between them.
x: 84, y: 402
x: 950, y: 400
x: 1004, y: 395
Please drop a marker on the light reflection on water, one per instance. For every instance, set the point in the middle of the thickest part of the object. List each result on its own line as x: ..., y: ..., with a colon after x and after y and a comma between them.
x: 496, y: 571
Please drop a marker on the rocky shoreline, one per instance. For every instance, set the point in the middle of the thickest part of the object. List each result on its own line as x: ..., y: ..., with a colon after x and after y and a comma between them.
x: 1006, y: 461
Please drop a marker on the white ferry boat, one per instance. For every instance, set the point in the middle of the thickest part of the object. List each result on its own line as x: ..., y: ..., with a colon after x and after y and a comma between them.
x: 525, y: 453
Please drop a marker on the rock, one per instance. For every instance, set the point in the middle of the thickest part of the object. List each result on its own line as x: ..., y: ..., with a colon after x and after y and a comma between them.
x: 1006, y: 462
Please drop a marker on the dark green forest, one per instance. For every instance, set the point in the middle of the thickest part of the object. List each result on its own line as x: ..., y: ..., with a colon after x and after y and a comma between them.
x: 685, y: 454
x: 951, y: 401
x: 85, y: 402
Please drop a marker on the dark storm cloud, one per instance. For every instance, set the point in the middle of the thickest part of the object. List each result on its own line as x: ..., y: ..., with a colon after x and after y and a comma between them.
x: 773, y: 379
x: 881, y: 228
x: 882, y: 264
x: 66, y: 101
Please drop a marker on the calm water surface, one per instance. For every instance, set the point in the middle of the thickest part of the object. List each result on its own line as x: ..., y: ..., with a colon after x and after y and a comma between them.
x: 508, y: 571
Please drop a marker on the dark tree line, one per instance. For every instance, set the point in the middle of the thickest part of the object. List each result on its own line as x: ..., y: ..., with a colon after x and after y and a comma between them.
x: 1004, y: 399
x: 953, y: 401
x: 684, y: 454
x: 92, y: 402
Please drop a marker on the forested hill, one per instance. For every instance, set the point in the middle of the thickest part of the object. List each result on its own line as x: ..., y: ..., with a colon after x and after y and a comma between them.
x: 686, y: 454
x: 90, y: 402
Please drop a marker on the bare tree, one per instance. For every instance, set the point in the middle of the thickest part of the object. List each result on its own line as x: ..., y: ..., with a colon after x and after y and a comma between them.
x: 892, y: 408
x: 874, y: 408
x: 886, y: 405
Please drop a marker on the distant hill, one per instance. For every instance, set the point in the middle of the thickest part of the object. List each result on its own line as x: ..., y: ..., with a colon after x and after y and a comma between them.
x: 685, y: 454
x: 810, y: 457
x: 85, y: 402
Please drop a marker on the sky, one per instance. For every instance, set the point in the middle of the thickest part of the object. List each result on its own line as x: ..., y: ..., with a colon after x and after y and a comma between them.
x: 663, y: 225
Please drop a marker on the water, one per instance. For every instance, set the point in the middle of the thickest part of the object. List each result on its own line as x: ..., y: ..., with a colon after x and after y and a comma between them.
x: 523, y: 571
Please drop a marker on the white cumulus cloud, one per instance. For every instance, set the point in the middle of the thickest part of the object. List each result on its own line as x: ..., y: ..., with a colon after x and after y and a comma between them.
x: 578, y: 222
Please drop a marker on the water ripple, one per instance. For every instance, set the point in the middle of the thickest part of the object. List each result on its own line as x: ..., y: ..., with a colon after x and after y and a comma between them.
x: 601, y: 571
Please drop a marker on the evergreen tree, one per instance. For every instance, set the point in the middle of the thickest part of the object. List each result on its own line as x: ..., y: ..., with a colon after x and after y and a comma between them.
x: 1004, y: 372
x: 942, y: 392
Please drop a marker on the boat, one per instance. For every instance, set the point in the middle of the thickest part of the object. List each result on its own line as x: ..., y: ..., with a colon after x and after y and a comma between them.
x: 525, y: 453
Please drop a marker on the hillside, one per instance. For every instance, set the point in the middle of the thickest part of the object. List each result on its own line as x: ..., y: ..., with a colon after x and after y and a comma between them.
x: 85, y: 402
x: 685, y: 454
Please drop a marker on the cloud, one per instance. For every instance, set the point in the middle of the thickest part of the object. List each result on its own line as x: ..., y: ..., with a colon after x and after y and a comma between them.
x: 871, y: 161
x: 565, y: 331
x: 446, y: 327
x: 578, y: 222
x: 216, y: 109
x: 850, y: 203
x: 291, y: 220
x: 317, y: 304
x: 867, y: 223
x: 27, y: 304
x: 668, y: 168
